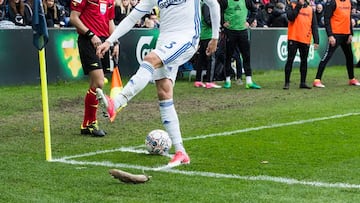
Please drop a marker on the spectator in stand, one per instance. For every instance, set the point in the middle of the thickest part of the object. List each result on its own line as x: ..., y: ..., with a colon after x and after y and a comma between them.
x: 28, y: 11
x: 353, y: 22
x: 266, y: 12
x: 302, y: 26
x: 133, y: 3
x: 17, y: 13
x: 254, y: 23
x: 204, y: 61
x: 337, y: 18
x: 66, y: 7
x: 139, y: 23
x: 259, y: 20
x: 355, y: 16
x: 278, y: 16
x: 320, y: 14
x: 154, y: 17
x: 147, y: 23
x: 323, y: 2
x: 4, y: 14
x: 236, y: 26
x: 151, y: 21
x: 122, y: 9
x: 356, y: 4
x: 265, y: 2
x: 54, y: 14
x: 312, y: 3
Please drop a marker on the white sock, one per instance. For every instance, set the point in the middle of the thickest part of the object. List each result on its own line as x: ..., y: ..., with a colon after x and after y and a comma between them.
x: 248, y: 80
x: 227, y: 79
x: 171, y: 124
x: 136, y: 83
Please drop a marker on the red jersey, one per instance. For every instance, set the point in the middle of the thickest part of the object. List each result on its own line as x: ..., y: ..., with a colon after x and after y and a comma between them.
x: 95, y: 14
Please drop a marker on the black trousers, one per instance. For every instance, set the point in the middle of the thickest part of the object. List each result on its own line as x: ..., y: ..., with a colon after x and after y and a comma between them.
x: 293, y: 46
x: 205, y: 62
x: 237, y: 39
x: 341, y: 40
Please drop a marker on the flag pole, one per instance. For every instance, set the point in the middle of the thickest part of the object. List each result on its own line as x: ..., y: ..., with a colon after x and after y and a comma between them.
x: 45, y: 104
x: 40, y: 39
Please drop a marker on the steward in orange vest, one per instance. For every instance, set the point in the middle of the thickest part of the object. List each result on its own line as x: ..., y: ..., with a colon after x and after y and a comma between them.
x: 302, y: 26
x: 337, y: 19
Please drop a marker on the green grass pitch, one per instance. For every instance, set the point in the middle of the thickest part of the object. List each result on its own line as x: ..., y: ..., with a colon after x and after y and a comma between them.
x: 267, y: 145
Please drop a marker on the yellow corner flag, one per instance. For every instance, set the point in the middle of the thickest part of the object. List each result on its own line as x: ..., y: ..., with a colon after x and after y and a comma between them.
x: 40, y: 39
x: 116, y: 83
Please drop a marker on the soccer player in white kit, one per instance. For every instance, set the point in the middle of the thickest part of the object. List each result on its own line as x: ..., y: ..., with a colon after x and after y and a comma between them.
x: 177, y: 43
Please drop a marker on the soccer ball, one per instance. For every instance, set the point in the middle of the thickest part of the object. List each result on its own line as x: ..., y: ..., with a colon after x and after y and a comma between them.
x: 158, y: 142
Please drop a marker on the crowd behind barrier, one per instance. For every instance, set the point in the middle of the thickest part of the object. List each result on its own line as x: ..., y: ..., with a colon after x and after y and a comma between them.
x: 270, y: 13
x: 61, y: 60
x: 268, y: 52
x: 15, y: 13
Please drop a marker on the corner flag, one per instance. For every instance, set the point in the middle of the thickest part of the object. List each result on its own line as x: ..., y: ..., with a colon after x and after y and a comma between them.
x: 116, y: 83
x: 39, y: 26
x: 40, y: 39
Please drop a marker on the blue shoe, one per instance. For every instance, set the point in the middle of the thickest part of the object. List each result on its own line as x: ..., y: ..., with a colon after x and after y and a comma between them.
x: 253, y: 86
x: 227, y: 84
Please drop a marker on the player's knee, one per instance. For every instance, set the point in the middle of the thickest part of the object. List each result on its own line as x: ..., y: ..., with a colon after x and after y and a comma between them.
x: 164, y: 95
x: 99, y: 83
x: 153, y: 59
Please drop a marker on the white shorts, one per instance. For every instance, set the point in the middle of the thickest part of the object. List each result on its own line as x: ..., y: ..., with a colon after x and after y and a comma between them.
x: 173, y: 54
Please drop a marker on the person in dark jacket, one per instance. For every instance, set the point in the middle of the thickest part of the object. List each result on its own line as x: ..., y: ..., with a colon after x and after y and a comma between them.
x: 278, y: 16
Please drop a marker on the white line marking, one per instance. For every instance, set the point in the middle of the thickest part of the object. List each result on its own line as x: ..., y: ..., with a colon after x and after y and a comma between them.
x: 288, y: 181
x: 271, y: 126
x: 121, y: 149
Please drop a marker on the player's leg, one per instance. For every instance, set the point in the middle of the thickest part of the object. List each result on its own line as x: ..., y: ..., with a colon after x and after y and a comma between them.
x: 139, y: 81
x: 136, y: 83
x: 347, y: 49
x: 165, y: 77
x: 244, y: 48
x: 201, y: 62
x: 324, y: 60
x: 170, y: 120
x: 230, y: 49
x: 93, y: 68
x: 292, y: 48
x: 304, y: 52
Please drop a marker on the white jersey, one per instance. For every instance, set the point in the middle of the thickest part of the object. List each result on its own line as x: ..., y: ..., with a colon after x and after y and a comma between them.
x: 178, y: 18
x: 179, y: 31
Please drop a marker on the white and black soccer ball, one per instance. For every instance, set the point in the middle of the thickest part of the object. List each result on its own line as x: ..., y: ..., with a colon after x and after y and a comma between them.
x: 158, y: 142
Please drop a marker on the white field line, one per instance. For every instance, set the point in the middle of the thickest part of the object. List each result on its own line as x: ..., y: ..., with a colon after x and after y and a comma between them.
x: 272, y: 126
x: 288, y: 181
x: 133, y: 149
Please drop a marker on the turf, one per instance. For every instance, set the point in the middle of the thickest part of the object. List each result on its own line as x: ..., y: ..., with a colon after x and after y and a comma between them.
x: 267, y: 145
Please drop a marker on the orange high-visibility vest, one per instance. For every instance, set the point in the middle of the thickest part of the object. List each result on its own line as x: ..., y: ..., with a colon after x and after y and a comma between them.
x: 340, y: 20
x: 300, y: 29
